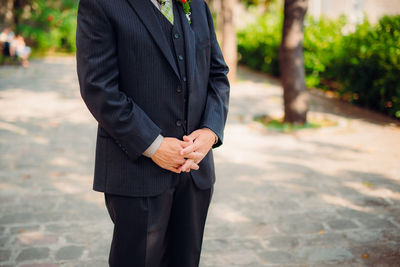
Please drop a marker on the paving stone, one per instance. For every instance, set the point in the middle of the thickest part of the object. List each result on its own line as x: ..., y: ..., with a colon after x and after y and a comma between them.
x: 4, y: 240
x: 15, y: 218
x: 346, y: 263
x: 46, y: 217
x: 288, y: 200
x: 284, y: 242
x: 69, y: 253
x: 377, y: 223
x: 62, y: 228
x: 277, y: 257
x: 41, y: 265
x: 33, y: 254
x: 325, y: 239
x: 236, y: 258
x: 36, y: 238
x: 215, y: 244
x: 377, y: 254
x: 362, y: 236
x: 99, y: 251
x: 91, y: 263
x: 24, y: 229
x: 301, y: 228
x: 92, y: 237
x: 391, y: 235
x: 342, y: 224
x: 4, y: 255
x: 316, y: 254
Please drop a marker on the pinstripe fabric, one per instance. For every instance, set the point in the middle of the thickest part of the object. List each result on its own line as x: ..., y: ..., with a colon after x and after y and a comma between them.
x: 130, y: 84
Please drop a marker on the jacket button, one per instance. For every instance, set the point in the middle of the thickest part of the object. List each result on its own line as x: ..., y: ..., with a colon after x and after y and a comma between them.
x: 180, y: 57
x: 179, y: 89
x: 176, y: 35
x: 184, y: 79
x: 178, y: 123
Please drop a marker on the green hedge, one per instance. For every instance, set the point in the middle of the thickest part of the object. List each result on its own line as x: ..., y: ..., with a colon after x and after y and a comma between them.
x: 258, y: 43
x: 368, y: 66
x: 362, y: 67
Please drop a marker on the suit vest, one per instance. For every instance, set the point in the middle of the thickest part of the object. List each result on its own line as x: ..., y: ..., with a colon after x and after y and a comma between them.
x: 175, y: 37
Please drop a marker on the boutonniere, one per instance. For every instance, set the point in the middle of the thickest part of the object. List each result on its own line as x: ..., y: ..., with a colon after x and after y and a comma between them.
x: 186, y: 9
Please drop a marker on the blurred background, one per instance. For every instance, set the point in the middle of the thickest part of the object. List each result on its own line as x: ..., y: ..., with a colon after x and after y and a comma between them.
x: 309, y: 171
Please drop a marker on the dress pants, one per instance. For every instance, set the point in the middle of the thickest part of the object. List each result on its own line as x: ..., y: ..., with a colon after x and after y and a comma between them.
x: 160, y: 231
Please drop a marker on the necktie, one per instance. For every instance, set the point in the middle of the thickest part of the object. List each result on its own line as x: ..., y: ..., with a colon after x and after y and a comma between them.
x: 166, y: 9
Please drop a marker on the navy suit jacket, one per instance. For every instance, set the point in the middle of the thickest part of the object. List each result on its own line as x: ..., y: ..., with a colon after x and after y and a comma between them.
x: 129, y: 82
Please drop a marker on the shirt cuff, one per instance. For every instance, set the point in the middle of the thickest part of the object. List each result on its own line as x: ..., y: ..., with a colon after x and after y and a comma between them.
x: 154, y: 146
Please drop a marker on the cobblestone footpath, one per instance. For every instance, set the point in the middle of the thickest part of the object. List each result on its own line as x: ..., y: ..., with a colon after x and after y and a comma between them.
x: 316, y: 197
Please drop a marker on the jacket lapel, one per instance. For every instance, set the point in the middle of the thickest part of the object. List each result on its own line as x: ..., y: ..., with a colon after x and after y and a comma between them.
x: 149, y: 19
x: 190, y: 48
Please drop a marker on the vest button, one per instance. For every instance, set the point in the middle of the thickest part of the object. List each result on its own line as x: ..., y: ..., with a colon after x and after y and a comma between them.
x: 179, y: 89
x: 176, y: 35
x: 180, y: 57
x: 178, y: 123
x: 184, y: 79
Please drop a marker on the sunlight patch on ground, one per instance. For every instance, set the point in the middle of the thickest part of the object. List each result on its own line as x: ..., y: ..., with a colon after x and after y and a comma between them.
x: 36, y: 238
x: 227, y: 213
x: 23, y: 105
x: 372, y: 191
x: 341, y: 202
x: 8, y: 186
x: 40, y: 140
x: 69, y: 187
x: 12, y: 128
x: 250, y: 179
x: 63, y: 162
x: 93, y: 197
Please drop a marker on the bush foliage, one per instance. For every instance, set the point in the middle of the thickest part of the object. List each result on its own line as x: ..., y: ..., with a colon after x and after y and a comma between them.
x: 363, y: 67
x: 258, y: 43
x: 49, y: 24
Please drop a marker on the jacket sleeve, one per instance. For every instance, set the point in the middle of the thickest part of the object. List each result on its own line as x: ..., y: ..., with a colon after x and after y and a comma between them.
x: 98, y: 74
x: 216, y: 110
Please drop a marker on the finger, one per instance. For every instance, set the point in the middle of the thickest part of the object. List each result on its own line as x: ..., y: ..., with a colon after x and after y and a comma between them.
x: 187, y: 150
x: 179, y: 162
x: 194, y: 134
x: 185, y: 143
x: 195, y: 166
x: 196, y: 155
x: 176, y: 170
x: 186, y: 165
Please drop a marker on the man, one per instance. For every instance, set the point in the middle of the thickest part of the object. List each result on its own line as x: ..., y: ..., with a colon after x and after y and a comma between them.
x: 153, y: 76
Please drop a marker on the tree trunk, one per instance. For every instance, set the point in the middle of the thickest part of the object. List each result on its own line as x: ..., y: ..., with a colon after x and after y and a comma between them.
x: 291, y: 62
x: 219, y: 19
x: 229, y: 42
x: 6, y: 13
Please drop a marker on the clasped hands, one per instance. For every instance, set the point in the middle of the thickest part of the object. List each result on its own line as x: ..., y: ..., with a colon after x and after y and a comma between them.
x: 183, y: 155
